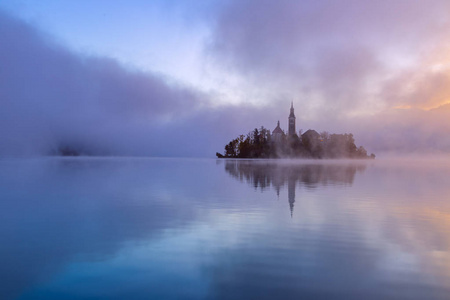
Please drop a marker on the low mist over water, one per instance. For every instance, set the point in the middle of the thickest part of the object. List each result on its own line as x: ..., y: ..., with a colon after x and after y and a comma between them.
x: 218, y: 229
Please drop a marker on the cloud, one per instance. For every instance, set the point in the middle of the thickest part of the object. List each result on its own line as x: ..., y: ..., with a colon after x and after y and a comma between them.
x: 349, y: 65
x: 337, y: 55
x: 346, y: 66
x: 420, y: 88
x: 52, y: 97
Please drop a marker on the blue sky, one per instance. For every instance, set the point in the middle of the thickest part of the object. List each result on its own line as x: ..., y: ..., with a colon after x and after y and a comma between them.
x: 165, y: 37
x: 143, y: 74
x: 157, y: 36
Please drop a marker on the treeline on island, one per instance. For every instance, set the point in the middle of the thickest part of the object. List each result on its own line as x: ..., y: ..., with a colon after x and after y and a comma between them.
x: 260, y: 143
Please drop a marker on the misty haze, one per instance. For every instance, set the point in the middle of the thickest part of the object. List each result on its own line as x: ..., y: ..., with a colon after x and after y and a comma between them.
x: 224, y: 149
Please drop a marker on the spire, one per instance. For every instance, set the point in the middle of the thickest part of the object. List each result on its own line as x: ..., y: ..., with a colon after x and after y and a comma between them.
x: 291, y: 120
x: 278, y: 124
x: 291, y: 115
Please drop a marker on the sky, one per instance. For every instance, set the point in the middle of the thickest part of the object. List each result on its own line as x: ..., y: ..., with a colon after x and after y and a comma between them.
x: 182, y: 78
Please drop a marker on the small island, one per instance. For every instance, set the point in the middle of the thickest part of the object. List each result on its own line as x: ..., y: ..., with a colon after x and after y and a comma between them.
x: 261, y: 143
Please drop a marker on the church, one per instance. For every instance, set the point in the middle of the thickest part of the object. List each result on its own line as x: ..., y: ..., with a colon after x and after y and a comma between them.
x: 278, y: 144
x: 278, y: 133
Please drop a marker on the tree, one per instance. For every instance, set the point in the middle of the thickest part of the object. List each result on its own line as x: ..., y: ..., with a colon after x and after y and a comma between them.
x: 361, y: 152
x: 295, y: 146
x: 325, y: 136
x: 231, y: 148
x: 258, y: 143
x: 244, y: 146
x: 350, y: 145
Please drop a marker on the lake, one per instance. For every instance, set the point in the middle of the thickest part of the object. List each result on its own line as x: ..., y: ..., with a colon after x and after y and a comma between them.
x: 144, y: 228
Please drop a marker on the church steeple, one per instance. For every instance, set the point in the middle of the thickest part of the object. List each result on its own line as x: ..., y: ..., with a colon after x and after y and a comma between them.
x: 291, y: 118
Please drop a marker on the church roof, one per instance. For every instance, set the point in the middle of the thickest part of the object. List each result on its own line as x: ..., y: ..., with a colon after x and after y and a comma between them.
x: 311, y: 133
x: 277, y: 129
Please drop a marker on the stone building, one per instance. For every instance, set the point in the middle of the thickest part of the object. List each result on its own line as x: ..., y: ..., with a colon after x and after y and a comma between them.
x: 291, y: 118
x: 278, y: 133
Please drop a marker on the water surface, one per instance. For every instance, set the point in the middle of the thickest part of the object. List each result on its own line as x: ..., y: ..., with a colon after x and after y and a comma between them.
x: 118, y: 228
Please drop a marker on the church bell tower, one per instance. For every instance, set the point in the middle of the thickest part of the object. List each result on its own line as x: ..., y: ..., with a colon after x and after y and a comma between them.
x: 291, y: 130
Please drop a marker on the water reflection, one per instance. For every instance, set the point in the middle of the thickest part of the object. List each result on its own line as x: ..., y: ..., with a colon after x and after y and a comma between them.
x: 278, y: 174
x: 154, y: 229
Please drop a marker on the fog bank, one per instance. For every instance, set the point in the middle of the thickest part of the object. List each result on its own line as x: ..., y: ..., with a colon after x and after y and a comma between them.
x: 51, y: 96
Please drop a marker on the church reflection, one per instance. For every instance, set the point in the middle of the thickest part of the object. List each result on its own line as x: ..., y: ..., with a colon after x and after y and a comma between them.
x: 276, y: 175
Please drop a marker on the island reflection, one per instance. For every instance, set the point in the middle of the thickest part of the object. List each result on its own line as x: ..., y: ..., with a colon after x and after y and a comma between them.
x: 276, y: 175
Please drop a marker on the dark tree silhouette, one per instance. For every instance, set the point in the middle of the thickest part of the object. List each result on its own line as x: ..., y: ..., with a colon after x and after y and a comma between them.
x: 259, y: 144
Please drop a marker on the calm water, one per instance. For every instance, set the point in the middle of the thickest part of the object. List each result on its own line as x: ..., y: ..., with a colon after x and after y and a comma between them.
x: 205, y: 229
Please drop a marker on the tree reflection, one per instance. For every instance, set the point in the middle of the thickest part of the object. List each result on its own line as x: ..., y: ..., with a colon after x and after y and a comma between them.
x: 272, y: 174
